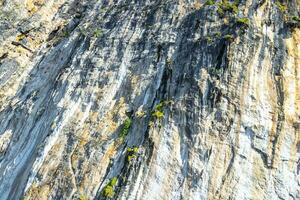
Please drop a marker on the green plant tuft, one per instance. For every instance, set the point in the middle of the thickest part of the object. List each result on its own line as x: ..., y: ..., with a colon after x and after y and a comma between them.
x: 108, y: 191
x: 209, y: 39
x: 65, y: 33
x: 228, y: 37
x: 209, y: 2
x: 218, y: 34
x: 243, y: 21
x: 220, y: 11
x: 158, y: 114
x: 126, y: 126
x: 292, y: 21
x: 97, y: 33
x: 281, y: 6
x: 132, y: 150
x: 226, y: 6
x: 83, y: 31
x: 295, y: 18
x: 82, y: 197
x: 113, y: 181
x: 131, y: 153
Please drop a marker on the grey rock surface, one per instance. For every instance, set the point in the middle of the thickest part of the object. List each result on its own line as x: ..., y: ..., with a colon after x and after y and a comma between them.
x: 149, y: 99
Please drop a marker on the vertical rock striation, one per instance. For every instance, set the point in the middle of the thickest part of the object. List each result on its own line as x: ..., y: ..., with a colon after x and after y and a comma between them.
x: 142, y: 99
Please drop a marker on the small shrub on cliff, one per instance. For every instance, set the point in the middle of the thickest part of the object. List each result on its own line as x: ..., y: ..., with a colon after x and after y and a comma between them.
x: 113, y: 181
x: 65, y: 33
x: 97, y: 33
x: 228, y: 37
x: 209, y: 39
x: 292, y: 21
x: 131, y: 153
x: 108, y: 191
x: 83, y: 31
x: 82, y: 198
x: 243, y: 21
x: 209, y: 3
x: 126, y: 126
x: 295, y: 18
x: 157, y: 114
x: 281, y: 6
x: 220, y: 11
x: 158, y: 110
x: 226, y: 6
x: 218, y: 34
x: 132, y: 150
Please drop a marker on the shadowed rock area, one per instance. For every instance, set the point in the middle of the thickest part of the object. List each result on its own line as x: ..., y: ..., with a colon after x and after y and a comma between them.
x: 150, y: 99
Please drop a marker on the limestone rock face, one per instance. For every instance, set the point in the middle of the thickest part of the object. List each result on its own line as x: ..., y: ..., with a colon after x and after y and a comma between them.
x: 149, y: 99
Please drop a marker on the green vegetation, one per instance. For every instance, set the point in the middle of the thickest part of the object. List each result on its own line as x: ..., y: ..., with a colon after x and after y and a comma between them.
x: 281, y: 6
x: 162, y: 104
x: 82, y: 197
x: 225, y: 6
x: 243, y: 21
x: 131, y: 153
x: 126, y: 126
x: 83, y: 31
x: 97, y: 33
x: 209, y: 39
x: 158, y: 114
x: 218, y: 34
x: 209, y: 3
x: 65, y: 33
x: 151, y: 124
x: 296, y: 18
x: 113, y: 181
x: 292, y: 21
x: 220, y: 11
x: 228, y: 37
x: 108, y: 191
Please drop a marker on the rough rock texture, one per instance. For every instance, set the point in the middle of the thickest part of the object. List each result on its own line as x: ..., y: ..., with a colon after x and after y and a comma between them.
x: 209, y: 96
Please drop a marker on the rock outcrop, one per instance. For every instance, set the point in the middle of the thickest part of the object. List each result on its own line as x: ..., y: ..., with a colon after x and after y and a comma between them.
x: 149, y: 99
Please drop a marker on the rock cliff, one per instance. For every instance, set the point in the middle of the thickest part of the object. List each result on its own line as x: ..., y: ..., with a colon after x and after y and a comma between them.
x: 150, y: 99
